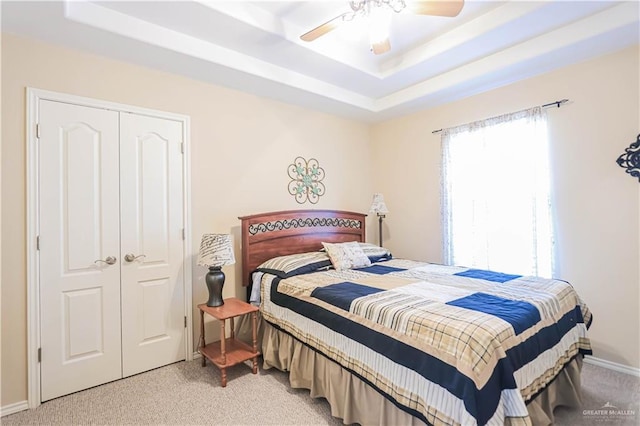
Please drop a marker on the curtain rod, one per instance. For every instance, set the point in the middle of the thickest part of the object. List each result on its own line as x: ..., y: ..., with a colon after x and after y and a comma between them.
x: 550, y: 104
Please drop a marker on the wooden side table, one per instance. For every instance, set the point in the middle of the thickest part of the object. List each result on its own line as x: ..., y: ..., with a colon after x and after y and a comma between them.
x: 229, y: 351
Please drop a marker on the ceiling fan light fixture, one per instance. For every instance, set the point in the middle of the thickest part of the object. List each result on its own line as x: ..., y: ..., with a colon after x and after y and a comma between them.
x: 378, y: 14
x: 355, y: 29
x: 379, y: 24
x: 367, y: 7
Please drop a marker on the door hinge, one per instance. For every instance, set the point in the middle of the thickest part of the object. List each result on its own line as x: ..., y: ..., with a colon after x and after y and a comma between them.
x: 37, y: 242
x: 39, y: 354
x: 38, y: 130
x: 182, y: 147
x: 183, y: 234
x: 185, y: 322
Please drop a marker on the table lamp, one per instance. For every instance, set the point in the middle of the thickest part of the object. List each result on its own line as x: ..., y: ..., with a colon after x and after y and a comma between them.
x: 216, y: 251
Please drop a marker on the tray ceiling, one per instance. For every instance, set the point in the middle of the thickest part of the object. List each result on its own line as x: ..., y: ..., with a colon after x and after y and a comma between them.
x: 256, y: 46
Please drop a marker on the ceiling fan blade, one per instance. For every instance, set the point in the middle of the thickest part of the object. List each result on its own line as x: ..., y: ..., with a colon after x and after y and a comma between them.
x: 448, y: 8
x: 323, y: 29
x: 381, y: 46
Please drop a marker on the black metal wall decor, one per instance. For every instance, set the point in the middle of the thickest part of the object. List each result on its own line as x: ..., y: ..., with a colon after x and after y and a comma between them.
x: 630, y: 160
x: 306, y: 184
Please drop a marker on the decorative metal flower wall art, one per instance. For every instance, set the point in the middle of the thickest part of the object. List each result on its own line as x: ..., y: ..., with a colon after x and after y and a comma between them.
x: 630, y: 160
x: 306, y: 184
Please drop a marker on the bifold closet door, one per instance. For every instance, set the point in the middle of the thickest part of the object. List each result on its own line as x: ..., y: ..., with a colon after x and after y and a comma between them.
x: 111, y: 245
x: 79, y: 240
x: 153, y: 321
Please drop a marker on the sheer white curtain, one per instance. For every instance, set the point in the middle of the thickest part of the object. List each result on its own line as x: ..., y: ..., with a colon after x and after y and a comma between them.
x: 496, y: 203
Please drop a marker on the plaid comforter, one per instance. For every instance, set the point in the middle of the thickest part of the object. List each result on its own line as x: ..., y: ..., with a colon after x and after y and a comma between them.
x: 449, y: 345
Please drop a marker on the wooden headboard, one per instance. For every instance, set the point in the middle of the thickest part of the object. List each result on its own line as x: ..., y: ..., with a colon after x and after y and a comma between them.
x: 268, y: 235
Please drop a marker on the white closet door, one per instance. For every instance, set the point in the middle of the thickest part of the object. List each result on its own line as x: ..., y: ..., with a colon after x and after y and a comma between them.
x: 153, y: 326
x: 79, y: 232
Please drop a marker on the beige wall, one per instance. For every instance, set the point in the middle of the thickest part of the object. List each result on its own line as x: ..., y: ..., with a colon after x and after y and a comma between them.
x: 597, y: 205
x: 240, y: 148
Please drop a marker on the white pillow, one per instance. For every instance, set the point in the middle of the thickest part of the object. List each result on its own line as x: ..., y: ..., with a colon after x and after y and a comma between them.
x: 346, y: 255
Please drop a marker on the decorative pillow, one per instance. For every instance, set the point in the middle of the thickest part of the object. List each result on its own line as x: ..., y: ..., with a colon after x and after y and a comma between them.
x: 295, y: 264
x: 375, y: 253
x: 346, y: 255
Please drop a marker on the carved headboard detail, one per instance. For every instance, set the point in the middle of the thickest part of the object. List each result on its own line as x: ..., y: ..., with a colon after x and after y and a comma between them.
x: 268, y: 235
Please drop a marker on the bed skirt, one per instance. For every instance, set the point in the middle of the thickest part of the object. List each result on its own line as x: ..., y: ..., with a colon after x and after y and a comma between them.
x: 352, y: 400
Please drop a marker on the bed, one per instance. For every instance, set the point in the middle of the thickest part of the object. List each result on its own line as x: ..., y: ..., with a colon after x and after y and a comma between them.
x: 396, y: 341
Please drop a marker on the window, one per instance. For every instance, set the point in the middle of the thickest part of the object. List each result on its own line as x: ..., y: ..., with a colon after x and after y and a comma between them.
x: 496, y: 202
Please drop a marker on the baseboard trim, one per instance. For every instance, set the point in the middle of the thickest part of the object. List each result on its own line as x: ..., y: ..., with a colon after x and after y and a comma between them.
x: 610, y: 365
x: 16, y: 407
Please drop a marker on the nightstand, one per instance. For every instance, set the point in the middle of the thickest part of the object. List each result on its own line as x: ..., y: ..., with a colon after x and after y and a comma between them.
x: 229, y: 351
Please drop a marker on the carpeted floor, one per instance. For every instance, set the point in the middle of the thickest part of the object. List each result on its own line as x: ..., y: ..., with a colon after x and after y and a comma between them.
x: 609, y: 398
x: 186, y: 393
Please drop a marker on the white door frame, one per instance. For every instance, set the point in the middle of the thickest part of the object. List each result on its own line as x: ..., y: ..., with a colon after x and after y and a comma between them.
x: 34, y: 96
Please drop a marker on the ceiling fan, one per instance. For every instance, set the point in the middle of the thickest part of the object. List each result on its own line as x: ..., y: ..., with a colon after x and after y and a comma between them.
x: 378, y: 14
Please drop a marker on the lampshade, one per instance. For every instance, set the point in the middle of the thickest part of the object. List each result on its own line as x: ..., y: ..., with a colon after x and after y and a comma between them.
x: 378, y: 206
x: 216, y: 250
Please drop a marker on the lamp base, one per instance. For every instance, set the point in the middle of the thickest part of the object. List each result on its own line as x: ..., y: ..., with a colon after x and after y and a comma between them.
x: 215, y: 283
x: 380, y: 217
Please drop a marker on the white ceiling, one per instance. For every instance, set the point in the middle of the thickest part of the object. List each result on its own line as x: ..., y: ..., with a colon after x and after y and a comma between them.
x: 254, y: 46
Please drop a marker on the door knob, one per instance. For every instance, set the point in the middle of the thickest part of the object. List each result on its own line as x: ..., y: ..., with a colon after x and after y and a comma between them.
x: 130, y: 257
x: 110, y: 260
